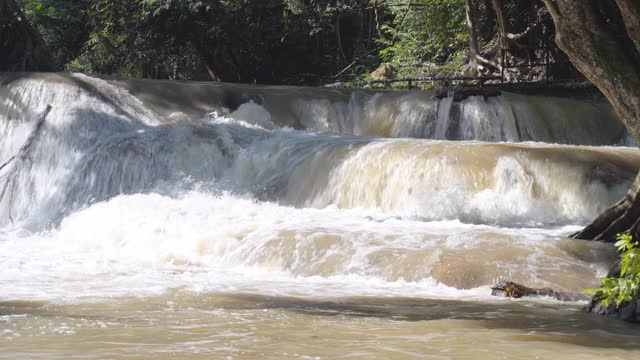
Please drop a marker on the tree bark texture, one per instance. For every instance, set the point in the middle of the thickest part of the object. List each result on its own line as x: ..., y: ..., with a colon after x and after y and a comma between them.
x: 630, y: 10
x: 502, y: 24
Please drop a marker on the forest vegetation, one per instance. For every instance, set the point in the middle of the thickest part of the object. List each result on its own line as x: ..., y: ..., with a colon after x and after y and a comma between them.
x: 302, y: 42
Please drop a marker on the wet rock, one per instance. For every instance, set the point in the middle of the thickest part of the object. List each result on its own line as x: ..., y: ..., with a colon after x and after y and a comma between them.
x: 628, y: 311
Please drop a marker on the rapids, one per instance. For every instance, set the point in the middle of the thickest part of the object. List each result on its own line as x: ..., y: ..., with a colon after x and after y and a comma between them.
x: 163, y: 219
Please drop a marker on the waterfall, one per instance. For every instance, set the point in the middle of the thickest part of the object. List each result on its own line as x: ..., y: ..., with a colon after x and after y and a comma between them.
x: 101, y: 141
x: 132, y: 183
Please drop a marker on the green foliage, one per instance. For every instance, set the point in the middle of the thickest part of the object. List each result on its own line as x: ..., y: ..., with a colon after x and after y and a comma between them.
x: 627, y: 286
x: 429, y: 34
x: 63, y: 25
x: 267, y: 41
x: 271, y: 41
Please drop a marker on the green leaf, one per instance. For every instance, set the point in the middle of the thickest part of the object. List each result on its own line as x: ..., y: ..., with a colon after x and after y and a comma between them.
x: 591, y: 291
x: 627, y: 286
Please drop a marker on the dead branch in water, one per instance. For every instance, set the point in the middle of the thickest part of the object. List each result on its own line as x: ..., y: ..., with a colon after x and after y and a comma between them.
x: 7, y: 162
x: 23, y: 154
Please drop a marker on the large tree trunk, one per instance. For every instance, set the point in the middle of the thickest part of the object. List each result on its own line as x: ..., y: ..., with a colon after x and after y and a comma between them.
x: 593, y: 47
x: 21, y: 46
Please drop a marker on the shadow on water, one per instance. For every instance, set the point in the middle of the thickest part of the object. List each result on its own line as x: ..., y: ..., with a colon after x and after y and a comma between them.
x: 110, y: 149
x: 118, y: 157
x: 57, y: 147
x: 106, y: 153
x: 531, y: 321
x: 559, y: 322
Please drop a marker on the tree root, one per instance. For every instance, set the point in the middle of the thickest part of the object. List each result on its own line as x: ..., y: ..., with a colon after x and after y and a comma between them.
x: 622, y: 217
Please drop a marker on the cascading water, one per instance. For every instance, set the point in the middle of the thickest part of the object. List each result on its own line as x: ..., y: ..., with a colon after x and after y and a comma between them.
x: 196, y: 195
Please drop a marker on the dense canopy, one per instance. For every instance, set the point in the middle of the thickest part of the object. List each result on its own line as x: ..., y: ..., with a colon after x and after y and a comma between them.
x: 287, y: 41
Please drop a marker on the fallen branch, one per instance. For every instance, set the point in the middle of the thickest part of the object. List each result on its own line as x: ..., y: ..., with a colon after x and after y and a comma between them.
x: 23, y: 154
x: 7, y: 162
x: 24, y: 150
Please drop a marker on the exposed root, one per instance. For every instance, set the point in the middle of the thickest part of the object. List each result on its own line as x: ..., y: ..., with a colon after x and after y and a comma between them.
x: 622, y: 217
x: 479, y: 65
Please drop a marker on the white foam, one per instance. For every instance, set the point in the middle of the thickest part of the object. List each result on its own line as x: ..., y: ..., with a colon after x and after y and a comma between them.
x: 147, y: 244
x: 249, y: 114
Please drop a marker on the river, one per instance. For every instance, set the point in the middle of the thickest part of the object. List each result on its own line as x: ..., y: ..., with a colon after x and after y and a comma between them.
x: 177, y: 220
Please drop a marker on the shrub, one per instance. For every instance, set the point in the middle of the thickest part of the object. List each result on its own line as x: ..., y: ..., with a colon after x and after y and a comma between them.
x: 625, y: 287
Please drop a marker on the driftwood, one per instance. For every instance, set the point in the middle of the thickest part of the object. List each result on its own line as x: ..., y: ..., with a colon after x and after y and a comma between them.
x: 19, y: 159
x: 515, y: 290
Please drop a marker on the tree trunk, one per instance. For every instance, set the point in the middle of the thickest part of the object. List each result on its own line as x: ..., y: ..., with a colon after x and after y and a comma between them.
x: 474, y: 50
x: 622, y: 217
x: 631, y: 15
x: 21, y: 46
x: 502, y: 24
x: 593, y: 47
